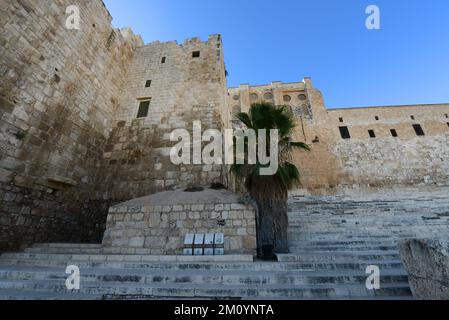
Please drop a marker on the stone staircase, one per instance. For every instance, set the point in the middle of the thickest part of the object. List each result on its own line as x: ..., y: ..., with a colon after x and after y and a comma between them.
x: 332, y: 241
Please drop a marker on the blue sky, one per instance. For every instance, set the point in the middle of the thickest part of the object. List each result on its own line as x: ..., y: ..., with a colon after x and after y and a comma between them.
x: 406, y: 62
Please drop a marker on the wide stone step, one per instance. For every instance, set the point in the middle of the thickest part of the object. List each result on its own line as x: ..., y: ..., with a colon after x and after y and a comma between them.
x: 302, y: 256
x: 8, y: 294
x: 68, y: 245
x: 349, y: 264
x: 344, y: 242
x: 67, y: 257
x: 339, y: 256
x: 341, y: 248
x: 64, y: 250
x: 301, y: 236
x: 117, y: 290
x: 200, y: 277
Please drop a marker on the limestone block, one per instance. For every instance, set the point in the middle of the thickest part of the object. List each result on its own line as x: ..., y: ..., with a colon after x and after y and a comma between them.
x: 427, y: 263
x: 136, y: 241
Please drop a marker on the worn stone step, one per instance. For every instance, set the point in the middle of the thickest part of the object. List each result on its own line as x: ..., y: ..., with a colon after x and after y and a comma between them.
x: 68, y: 245
x: 8, y: 294
x: 209, y: 291
x: 339, y: 256
x: 341, y: 248
x: 350, y: 264
x: 344, y: 242
x: 63, y: 250
x: 305, y: 256
x: 201, y: 277
x: 119, y: 257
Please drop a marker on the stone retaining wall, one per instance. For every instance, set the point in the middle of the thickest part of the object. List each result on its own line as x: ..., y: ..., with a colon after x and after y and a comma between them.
x: 156, y: 229
x: 59, y: 91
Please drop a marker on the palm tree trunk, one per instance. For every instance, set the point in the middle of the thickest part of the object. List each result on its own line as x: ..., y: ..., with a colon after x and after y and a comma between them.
x: 272, y: 220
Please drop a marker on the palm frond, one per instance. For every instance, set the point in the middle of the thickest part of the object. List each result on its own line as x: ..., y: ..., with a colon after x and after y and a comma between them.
x: 245, y: 119
x: 299, y: 145
x: 268, y: 116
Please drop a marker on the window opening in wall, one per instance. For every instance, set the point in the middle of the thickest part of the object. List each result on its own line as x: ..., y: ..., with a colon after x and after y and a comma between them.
x: 394, y: 132
x: 344, y: 131
x: 418, y: 129
x: 340, y: 119
x: 376, y: 117
x: 448, y: 124
x: 446, y: 115
x: 371, y: 133
x: 196, y: 54
x: 412, y: 117
x: 163, y: 59
x: 148, y: 84
x: 144, y: 106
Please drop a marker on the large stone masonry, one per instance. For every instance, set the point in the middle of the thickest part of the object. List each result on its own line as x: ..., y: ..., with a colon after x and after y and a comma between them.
x: 59, y: 91
x: 183, y: 89
x: 158, y: 223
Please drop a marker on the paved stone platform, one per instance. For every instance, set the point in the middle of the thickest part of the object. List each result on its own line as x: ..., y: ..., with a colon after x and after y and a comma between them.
x: 332, y: 240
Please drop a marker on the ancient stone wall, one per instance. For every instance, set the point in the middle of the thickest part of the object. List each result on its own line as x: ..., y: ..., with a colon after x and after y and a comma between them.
x: 59, y: 90
x: 184, y: 88
x: 384, y: 160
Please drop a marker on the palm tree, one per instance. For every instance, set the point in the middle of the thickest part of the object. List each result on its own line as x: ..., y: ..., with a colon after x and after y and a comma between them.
x: 270, y: 192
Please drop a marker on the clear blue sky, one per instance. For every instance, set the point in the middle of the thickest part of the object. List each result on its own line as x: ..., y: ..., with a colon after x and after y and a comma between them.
x: 406, y: 62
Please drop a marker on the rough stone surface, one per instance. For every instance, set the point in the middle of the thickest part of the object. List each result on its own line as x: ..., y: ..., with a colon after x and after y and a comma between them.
x: 157, y: 224
x: 427, y: 263
x: 59, y: 90
x: 361, y: 161
x: 71, y: 144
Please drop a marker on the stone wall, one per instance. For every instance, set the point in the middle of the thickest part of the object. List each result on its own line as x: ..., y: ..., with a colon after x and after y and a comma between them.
x: 390, y: 161
x: 361, y: 161
x: 59, y: 90
x: 183, y: 89
x: 144, y: 227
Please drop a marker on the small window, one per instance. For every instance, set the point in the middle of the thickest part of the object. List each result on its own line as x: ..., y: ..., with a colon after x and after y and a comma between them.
x: 143, y: 109
x: 254, y: 97
x: 163, y: 59
x: 418, y: 129
x: 268, y: 96
x: 344, y: 131
x: 412, y: 117
x: 394, y: 132
x: 377, y: 118
x: 448, y: 124
x: 446, y: 115
x: 371, y: 133
x: 195, y: 54
x: 340, y: 119
x: 148, y: 84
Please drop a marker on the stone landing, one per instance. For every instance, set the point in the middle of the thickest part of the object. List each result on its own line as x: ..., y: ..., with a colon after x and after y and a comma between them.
x: 157, y: 224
